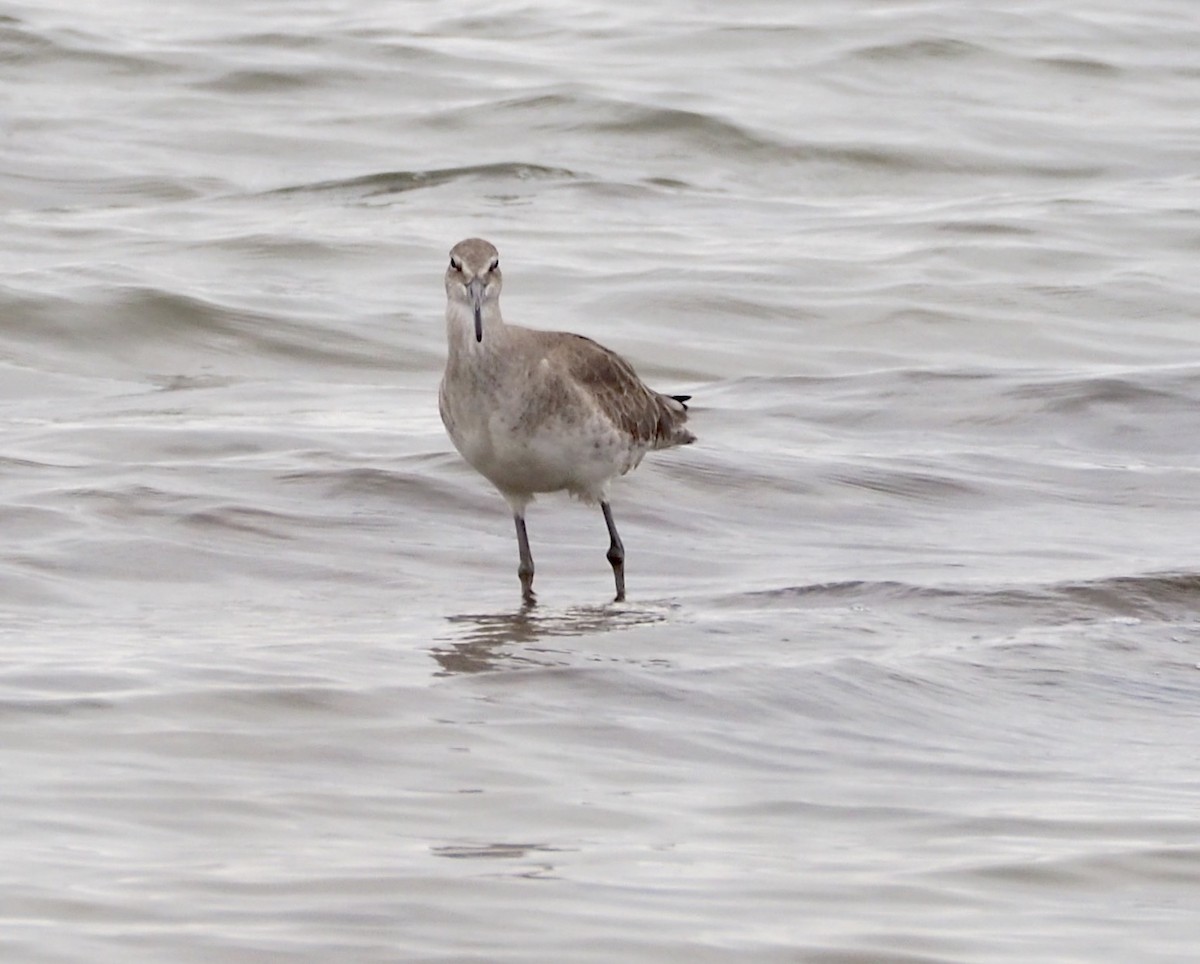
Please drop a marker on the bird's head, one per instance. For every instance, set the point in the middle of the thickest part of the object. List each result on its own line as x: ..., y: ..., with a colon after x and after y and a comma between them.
x: 473, y: 278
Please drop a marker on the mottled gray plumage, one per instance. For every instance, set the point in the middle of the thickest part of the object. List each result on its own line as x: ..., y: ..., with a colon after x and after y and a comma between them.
x: 543, y: 411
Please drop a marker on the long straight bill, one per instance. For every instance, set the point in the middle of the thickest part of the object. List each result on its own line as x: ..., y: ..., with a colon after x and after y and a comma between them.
x: 475, y: 290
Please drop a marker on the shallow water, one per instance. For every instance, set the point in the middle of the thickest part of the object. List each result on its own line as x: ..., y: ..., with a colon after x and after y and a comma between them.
x: 909, y: 669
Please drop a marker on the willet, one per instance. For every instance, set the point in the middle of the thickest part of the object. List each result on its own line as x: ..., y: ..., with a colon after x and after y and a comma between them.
x: 543, y: 411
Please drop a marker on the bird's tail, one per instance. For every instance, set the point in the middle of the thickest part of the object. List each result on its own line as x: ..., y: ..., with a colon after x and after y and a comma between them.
x: 671, y: 422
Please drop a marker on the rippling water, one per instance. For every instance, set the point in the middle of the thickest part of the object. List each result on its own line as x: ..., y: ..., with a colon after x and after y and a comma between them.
x: 909, y: 670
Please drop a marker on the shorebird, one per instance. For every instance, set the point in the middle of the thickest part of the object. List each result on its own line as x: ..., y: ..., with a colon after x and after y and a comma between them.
x: 543, y: 411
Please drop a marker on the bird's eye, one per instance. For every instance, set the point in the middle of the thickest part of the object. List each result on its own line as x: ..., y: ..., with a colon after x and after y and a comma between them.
x: 454, y: 263
x: 494, y: 265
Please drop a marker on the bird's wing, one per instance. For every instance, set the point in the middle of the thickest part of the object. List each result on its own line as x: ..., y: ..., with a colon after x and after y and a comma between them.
x: 615, y: 389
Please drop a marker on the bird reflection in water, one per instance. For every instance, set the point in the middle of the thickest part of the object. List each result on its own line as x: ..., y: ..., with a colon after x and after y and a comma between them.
x: 516, y: 639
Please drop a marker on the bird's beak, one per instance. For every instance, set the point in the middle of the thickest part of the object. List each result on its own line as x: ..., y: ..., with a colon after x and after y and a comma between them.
x: 475, y: 289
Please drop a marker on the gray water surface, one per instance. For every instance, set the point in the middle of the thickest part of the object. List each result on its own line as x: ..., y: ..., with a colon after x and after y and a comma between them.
x: 909, y: 667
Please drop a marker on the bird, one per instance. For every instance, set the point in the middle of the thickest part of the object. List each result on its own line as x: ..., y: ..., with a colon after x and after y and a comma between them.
x: 536, y: 411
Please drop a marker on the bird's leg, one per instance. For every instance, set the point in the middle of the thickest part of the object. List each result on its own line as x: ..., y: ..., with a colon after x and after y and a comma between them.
x: 616, y: 552
x: 525, y: 569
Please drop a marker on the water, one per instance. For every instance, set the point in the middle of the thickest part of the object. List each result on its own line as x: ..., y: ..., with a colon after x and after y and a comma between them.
x: 909, y: 670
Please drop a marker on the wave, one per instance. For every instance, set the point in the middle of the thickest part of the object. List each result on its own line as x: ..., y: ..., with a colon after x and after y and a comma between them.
x: 168, y: 334
x: 22, y: 44
x: 399, y: 182
x: 972, y: 397
x: 1153, y: 595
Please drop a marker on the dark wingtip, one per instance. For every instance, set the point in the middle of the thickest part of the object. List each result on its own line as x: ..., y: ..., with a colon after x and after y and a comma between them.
x: 681, y: 399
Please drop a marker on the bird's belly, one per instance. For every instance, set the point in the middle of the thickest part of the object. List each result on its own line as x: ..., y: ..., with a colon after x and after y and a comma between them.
x: 580, y: 458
